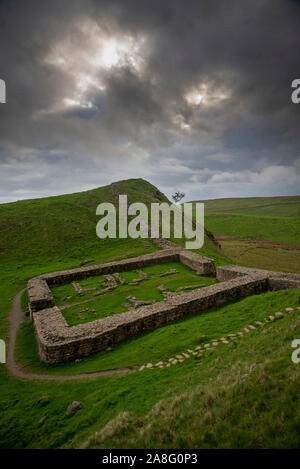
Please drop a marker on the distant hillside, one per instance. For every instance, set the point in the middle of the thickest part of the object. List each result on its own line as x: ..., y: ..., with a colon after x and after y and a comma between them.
x: 257, y: 231
x: 263, y: 206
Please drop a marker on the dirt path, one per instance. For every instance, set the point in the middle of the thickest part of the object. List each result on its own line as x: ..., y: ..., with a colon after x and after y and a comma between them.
x: 16, y: 318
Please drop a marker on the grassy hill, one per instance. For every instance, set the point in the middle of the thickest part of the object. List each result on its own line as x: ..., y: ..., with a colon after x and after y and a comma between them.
x: 189, y: 405
x: 257, y: 231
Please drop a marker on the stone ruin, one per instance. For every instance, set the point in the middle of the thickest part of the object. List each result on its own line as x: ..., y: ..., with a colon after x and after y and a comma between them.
x: 60, y: 343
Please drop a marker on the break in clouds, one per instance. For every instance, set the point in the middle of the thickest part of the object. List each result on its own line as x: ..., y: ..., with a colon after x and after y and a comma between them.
x: 190, y: 95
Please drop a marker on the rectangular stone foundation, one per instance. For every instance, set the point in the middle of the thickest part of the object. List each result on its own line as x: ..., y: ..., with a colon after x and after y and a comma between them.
x: 60, y: 343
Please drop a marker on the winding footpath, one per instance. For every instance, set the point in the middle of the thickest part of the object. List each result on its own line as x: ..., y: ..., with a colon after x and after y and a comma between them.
x: 16, y: 318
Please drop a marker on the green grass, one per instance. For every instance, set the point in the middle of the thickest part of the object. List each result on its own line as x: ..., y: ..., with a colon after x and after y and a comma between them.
x: 115, y: 301
x: 247, y: 397
x: 189, y: 405
x: 281, y: 230
x: 253, y: 254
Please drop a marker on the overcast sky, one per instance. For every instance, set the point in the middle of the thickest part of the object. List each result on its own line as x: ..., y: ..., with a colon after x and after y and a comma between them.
x: 190, y: 95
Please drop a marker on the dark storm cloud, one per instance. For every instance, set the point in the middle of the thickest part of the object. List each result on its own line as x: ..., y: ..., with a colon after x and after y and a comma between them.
x: 193, y: 94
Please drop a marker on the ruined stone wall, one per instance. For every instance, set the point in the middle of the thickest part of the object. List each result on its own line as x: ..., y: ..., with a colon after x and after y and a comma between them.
x: 66, y: 276
x: 277, y: 280
x: 39, y: 293
x: 60, y: 343
x: 202, y: 265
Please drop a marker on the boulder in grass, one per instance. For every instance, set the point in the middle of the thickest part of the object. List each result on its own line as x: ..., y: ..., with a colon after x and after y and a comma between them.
x: 289, y: 309
x: 279, y: 314
x: 73, y: 408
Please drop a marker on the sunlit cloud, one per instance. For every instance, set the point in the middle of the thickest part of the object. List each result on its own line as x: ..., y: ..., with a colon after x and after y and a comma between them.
x: 206, y: 95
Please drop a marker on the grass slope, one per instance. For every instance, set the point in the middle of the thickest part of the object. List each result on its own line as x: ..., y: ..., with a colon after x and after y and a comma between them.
x: 190, y: 405
x: 247, y: 397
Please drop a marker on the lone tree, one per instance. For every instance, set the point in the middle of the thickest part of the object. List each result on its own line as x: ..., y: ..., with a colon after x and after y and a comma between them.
x: 178, y: 196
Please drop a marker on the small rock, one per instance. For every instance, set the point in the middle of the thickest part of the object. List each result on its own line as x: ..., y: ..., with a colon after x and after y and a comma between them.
x: 272, y: 318
x: 289, y: 309
x: 252, y: 327
x: 73, y: 408
x: 279, y: 314
x: 246, y: 330
x: 43, y: 400
x: 159, y: 364
x: 43, y: 419
x: 206, y: 345
x: 240, y: 334
x: 86, y: 261
x: 142, y: 367
x: 149, y: 365
x: 259, y: 323
x: 201, y: 338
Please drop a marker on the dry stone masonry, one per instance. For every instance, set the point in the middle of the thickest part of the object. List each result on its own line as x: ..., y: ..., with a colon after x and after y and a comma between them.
x: 60, y: 343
